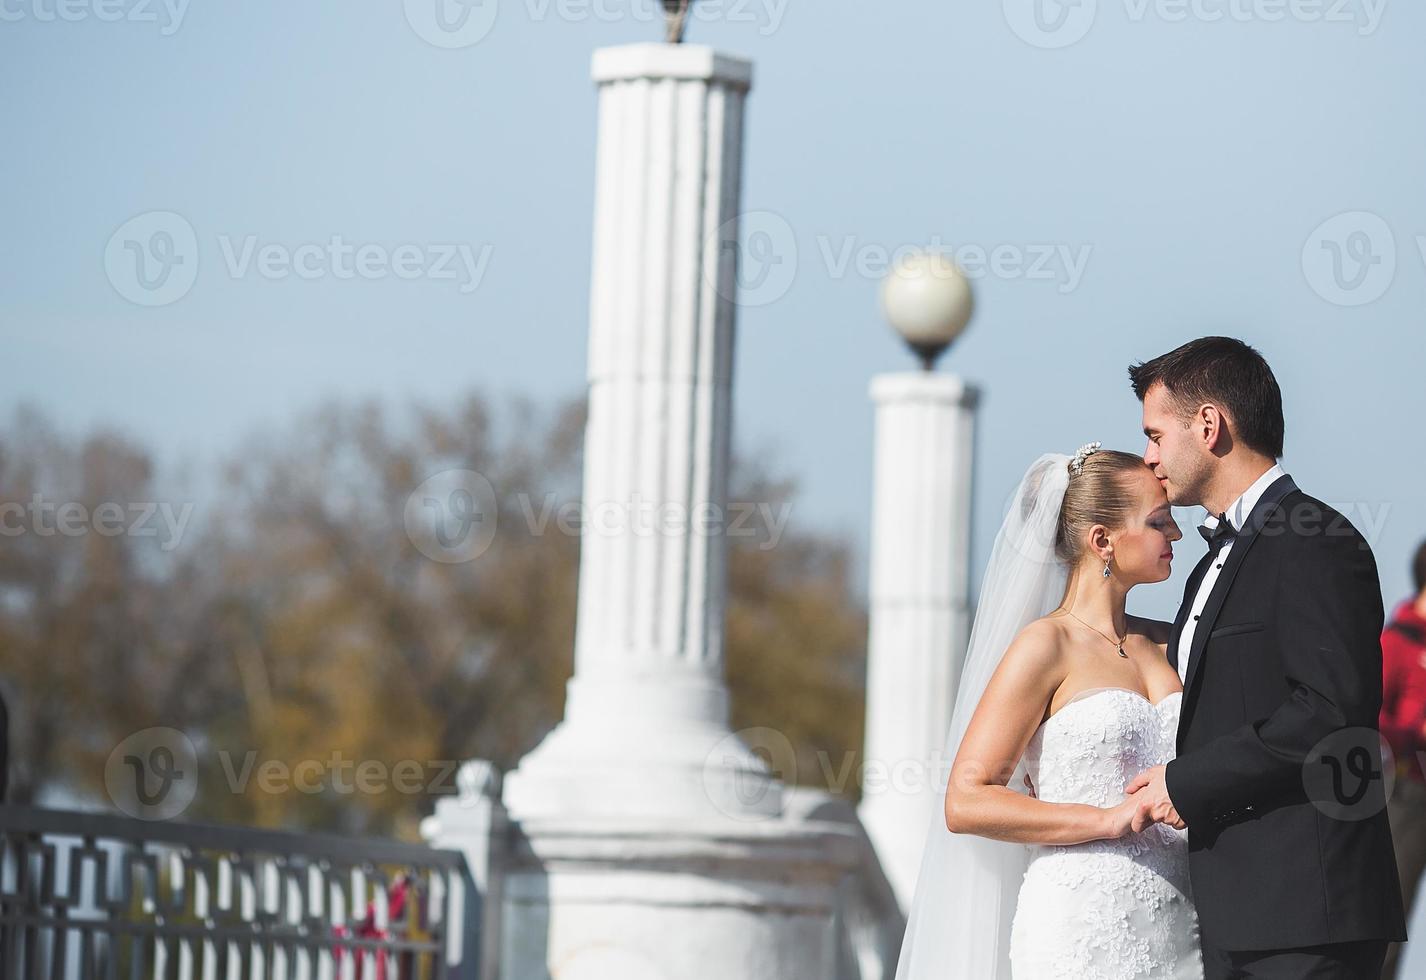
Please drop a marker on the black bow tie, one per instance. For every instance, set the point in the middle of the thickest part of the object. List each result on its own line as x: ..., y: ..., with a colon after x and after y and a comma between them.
x: 1220, y: 535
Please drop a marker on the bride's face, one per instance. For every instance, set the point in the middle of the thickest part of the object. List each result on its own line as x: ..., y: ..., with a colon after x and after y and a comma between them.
x: 1143, y: 548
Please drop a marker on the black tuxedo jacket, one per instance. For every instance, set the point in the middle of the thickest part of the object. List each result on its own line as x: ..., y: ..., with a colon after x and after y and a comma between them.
x: 1278, y: 773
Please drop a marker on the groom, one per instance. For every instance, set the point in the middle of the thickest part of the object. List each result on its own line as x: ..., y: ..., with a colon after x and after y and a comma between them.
x: 1278, y: 773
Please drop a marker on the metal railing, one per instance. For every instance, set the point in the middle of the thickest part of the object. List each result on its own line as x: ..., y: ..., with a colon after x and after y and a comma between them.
x: 92, y: 895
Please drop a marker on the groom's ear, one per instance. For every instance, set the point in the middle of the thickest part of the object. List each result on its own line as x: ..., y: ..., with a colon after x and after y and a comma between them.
x: 1212, y: 427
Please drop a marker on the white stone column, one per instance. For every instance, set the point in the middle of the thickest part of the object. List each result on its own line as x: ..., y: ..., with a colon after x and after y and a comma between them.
x: 919, y: 615
x: 645, y: 730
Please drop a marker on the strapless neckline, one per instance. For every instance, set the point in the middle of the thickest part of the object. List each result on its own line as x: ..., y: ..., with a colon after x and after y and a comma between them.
x: 1091, y: 693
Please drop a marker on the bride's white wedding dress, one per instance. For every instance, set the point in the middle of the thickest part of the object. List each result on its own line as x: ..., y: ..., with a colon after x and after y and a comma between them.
x: 1107, y: 909
x: 987, y: 909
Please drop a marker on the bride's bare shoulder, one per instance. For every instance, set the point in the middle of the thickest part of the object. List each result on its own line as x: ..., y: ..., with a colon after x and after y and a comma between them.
x: 1042, y: 639
x: 1034, y: 662
x: 1156, y: 631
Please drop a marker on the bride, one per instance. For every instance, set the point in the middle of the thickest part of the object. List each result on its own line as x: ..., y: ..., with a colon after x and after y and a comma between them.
x: 1066, y: 695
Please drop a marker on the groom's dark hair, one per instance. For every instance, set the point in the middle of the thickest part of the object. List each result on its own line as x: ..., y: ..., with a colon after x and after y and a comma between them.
x: 1228, y: 373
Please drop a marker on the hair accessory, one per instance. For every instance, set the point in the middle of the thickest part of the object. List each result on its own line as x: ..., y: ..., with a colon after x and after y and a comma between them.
x: 1085, y: 451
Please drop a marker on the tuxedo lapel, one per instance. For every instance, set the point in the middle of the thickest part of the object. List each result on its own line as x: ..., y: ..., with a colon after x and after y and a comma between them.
x: 1280, y: 488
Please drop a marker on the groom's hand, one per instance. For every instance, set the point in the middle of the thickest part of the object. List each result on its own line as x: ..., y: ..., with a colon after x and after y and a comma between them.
x: 1154, y: 803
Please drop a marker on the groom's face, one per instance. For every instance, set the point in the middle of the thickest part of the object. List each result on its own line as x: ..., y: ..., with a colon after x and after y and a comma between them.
x: 1179, y: 461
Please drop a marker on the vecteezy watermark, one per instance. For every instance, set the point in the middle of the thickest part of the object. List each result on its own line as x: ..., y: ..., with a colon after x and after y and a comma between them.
x: 153, y: 258
x: 1058, y: 23
x: 744, y: 767
x: 1349, y: 775
x: 1353, y: 517
x: 339, y: 259
x: 765, y: 259
x: 168, y: 14
x: 643, y: 517
x: 451, y: 23
x: 452, y: 517
x: 71, y: 519
x: 337, y: 774
x: 464, y: 23
x: 1060, y: 263
x: 1050, y: 23
x: 759, y: 258
x: 754, y: 756
x: 1350, y: 259
x: 152, y: 774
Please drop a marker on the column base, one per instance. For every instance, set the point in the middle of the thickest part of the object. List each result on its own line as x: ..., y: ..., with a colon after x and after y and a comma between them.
x: 656, y: 743
x: 666, y: 771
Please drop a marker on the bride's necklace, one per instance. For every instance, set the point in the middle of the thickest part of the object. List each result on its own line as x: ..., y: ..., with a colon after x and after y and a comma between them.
x: 1118, y: 643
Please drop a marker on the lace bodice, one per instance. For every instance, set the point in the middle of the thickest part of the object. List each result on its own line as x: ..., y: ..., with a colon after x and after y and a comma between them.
x: 1089, y: 750
x: 1108, y: 909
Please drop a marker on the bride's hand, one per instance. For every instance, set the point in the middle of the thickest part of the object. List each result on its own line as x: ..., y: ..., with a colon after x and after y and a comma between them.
x: 1119, y: 820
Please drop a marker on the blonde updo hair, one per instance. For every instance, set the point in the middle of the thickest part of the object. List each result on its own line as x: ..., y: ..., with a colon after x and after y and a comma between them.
x: 1097, y: 493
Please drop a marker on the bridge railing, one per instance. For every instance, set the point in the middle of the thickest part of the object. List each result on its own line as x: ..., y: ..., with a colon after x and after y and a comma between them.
x: 92, y: 895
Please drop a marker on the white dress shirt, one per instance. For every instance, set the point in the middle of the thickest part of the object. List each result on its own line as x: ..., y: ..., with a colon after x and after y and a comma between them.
x: 1237, y: 514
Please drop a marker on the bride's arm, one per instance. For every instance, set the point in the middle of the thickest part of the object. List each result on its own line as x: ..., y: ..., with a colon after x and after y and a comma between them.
x: 978, y: 801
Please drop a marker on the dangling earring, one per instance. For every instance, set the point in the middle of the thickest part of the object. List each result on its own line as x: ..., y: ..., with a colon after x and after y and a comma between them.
x: 1106, y: 568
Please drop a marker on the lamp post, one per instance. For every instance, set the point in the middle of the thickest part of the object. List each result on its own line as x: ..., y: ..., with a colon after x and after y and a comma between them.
x: 920, y: 555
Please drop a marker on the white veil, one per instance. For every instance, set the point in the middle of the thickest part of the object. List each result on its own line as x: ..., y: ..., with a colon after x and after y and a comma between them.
x: 958, y: 926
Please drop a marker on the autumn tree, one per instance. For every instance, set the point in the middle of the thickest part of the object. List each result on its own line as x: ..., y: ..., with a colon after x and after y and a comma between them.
x: 325, y: 609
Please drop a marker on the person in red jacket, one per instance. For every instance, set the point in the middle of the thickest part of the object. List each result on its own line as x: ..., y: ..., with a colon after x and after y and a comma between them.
x: 1403, y: 724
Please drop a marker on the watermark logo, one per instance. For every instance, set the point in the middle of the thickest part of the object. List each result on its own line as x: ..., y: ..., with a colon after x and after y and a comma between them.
x: 1349, y: 775
x: 152, y: 259
x: 758, y: 759
x: 337, y: 774
x: 1049, y: 24
x: 451, y: 517
x: 1364, y: 15
x: 1051, y: 262
x: 337, y: 258
x: 167, y: 13
x: 1059, y: 23
x: 451, y: 24
x: 765, y: 259
x: 111, y: 518
x: 1350, y: 259
x: 763, y: 251
x: 463, y: 23
x: 153, y: 774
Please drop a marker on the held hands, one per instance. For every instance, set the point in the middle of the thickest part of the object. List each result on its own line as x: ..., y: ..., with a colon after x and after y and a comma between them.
x: 1120, y: 819
x: 1141, y: 807
x: 1150, y: 796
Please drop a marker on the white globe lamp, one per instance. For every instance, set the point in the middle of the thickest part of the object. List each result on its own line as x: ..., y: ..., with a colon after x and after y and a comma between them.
x: 927, y: 299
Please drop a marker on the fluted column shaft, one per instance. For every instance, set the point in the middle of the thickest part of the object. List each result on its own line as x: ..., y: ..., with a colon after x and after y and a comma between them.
x: 648, y: 689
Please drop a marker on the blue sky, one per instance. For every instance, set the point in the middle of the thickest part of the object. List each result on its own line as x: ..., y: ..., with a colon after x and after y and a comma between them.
x: 1177, y: 169
x: 1148, y: 170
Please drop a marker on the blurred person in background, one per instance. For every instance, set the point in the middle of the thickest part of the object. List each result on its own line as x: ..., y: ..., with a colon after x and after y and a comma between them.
x: 1403, y: 723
